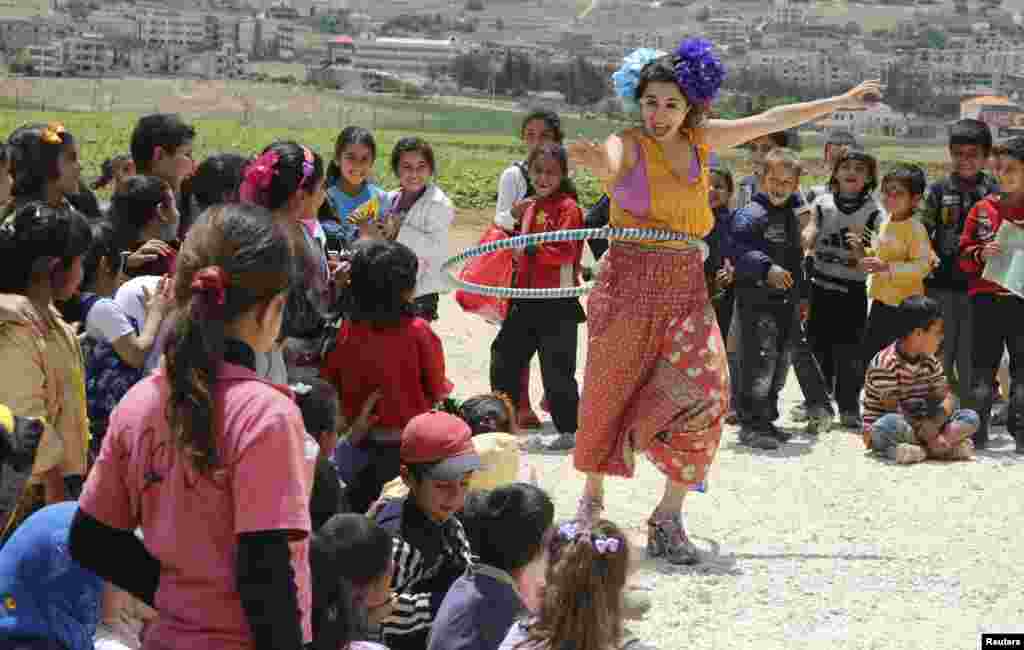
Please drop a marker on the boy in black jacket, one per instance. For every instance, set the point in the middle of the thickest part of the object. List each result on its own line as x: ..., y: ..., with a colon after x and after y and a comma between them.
x: 769, y: 285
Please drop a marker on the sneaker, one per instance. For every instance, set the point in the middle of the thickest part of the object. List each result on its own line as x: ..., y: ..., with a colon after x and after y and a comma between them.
x: 1000, y: 414
x: 799, y: 413
x: 906, y: 454
x: 541, y: 443
x: 779, y: 434
x: 751, y: 437
x: 851, y: 421
x: 667, y: 538
x: 964, y: 451
x: 819, y: 421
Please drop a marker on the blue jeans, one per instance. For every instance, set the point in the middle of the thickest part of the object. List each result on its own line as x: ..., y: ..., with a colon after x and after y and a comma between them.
x: 892, y: 429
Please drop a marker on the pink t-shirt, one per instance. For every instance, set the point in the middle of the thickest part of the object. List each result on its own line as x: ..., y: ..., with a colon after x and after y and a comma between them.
x: 191, y: 522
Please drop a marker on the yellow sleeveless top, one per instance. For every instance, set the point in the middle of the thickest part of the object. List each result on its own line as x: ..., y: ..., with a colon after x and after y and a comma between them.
x: 676, y: 203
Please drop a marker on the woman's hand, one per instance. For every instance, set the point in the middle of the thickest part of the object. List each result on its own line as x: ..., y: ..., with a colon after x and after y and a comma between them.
x: 593, y: 156
x: 867, y: 93
x: 372, y: 230
x: 149, y: 252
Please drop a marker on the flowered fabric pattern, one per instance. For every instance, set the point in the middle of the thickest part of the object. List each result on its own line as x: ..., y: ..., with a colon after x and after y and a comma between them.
x: 656, y: 375
x: 108, y: 378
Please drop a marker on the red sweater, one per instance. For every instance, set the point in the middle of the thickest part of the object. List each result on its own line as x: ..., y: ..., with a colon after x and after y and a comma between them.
x: 980, y: 228
x: 556, y: 264
x: 406, y: 362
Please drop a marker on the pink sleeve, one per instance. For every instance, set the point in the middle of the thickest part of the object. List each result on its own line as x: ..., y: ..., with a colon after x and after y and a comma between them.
x: 435, y: 383
x: 269, y: 483
x: 107, y: 493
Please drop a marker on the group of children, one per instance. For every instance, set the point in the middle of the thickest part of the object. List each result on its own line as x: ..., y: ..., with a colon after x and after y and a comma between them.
x: 181, y: 308
x: 792, y: 277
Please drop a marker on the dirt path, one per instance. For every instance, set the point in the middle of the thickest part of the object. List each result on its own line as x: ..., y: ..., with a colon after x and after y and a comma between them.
x: 814, y: 545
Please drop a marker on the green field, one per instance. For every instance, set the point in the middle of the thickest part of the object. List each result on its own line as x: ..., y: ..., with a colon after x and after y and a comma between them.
x: 468, y: 163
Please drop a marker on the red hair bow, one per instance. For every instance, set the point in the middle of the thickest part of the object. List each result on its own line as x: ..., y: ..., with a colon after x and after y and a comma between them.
x: 211, y: 283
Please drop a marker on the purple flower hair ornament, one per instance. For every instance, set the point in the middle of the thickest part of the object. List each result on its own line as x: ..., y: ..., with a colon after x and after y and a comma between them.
x: 627, y: 78
x: 699, y: 72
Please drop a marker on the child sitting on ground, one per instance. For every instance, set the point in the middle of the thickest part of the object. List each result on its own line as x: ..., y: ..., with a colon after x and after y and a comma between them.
x: 582, y: 602
x: 318, y: 401
x: 350, y: 562
x: 430, y: 548
x: 490, y: 417
x: 908, y: 408
x: 506, y: 529
x: 383, y: 348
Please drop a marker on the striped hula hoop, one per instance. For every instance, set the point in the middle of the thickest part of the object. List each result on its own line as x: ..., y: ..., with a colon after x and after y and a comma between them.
x: 582, y: 234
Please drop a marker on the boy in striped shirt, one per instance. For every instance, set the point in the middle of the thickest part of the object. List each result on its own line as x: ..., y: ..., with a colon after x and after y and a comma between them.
x: 908, y: 408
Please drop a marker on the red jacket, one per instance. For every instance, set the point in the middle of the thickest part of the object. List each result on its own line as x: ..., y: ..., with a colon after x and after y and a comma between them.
x: 555, y: 264
x: 406, y: 362
x: 980, y: 228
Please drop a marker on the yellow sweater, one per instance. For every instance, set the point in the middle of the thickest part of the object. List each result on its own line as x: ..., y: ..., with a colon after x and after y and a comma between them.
x: 905, y: 246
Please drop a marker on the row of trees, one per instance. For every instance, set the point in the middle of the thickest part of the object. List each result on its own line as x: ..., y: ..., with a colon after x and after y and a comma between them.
x: 582, y: 83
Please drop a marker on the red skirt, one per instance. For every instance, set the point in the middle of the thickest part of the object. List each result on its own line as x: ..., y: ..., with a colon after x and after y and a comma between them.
x: 656, y: 374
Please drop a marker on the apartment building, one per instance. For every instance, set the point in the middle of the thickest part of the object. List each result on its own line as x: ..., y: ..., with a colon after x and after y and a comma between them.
x: 878, y: 120
x: 405, y: 55
x: 727, y: 31
x: 19, y: 33
x: 46, y: 60
x: 158, y: 61
x: 790, y: 13
x: 166, y: 28
x: 292, y: 37
x: 86, y: 55
x: 225, y: 63
x: 116, y: 22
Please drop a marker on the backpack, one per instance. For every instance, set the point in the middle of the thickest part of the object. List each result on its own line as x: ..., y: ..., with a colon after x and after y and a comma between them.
x: 107, y: 377
x: 521, y: 166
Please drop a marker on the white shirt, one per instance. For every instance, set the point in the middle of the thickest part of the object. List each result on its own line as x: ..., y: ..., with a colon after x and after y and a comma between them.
x: 107, y: 321
x: 132, y: 301
x: 425, y: 230
x: 511, y: 188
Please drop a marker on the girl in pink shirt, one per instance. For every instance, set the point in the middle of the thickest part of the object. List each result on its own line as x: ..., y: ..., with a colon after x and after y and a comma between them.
x: 207, y: 458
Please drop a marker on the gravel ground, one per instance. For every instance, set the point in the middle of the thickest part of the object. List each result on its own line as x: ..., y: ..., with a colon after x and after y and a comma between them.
x: 816, y: 543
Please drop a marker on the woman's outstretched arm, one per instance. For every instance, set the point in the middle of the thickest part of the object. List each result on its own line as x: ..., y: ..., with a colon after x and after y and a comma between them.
x: 724, y: 134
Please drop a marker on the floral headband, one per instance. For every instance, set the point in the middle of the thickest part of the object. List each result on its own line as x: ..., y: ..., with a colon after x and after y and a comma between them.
x: 53, y: 133
x: 259, y: 174
x: 572, y: 532
x: 698, y: 71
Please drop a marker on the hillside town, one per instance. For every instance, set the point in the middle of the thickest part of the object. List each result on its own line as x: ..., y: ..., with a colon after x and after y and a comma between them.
x: 950, y: 59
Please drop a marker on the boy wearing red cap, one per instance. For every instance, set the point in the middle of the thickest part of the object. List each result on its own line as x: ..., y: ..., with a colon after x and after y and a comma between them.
x: 430, y: 546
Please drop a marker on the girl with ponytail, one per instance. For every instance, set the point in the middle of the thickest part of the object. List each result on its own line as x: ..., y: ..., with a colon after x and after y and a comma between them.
x: 42, y: 248
x: 208, y: 459
x: 581, y: 602
x: 288, y: 179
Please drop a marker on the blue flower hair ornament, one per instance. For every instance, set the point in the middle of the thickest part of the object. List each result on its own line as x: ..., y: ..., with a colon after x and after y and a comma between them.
x: 699, y: 71
x: 627, y: 78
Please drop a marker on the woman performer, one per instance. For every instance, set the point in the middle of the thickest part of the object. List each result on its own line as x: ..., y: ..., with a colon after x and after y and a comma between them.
x: 656, y: 379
